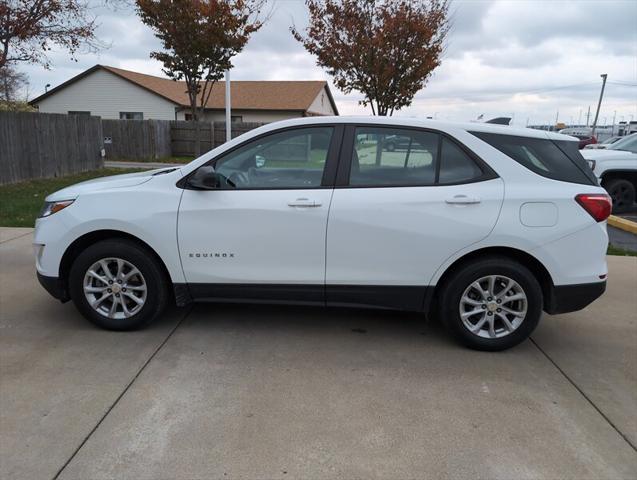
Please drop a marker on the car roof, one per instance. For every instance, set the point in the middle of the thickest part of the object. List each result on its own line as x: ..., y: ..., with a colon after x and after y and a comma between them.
x: 427, y: 123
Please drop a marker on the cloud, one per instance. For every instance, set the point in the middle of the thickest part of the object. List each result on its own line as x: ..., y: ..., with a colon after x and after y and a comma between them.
x: 528, y: 58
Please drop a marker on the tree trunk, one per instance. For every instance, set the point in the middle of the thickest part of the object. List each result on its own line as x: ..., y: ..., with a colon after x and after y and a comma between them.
x: 193, y: 113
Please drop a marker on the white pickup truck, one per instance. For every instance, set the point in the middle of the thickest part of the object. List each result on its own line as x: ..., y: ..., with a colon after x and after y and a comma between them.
x: 616, y: 169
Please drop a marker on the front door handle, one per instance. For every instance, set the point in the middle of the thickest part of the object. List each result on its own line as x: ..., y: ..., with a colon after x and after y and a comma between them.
x: 462, y: 200
x: 304, y: 203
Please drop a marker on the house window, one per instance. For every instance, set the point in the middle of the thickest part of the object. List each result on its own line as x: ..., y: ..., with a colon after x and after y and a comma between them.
x: 79, y: 112
x: 188, y: 117
x: 236, y: 118
x: 131, y: 116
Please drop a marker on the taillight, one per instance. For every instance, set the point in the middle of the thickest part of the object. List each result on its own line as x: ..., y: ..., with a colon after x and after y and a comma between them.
x: 598, y: 205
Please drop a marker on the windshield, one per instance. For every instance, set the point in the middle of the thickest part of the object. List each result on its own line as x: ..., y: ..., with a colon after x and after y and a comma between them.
x: 628, y: 144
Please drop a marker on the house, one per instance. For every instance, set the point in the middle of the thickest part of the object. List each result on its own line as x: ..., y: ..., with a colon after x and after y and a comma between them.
x: 113, y: 93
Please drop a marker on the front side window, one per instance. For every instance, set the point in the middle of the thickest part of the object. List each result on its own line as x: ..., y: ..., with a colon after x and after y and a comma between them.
x: 290, y: 159
x: 393, y: 157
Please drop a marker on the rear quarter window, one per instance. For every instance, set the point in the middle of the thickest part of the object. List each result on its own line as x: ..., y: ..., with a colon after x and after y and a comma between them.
x: 558, y: 160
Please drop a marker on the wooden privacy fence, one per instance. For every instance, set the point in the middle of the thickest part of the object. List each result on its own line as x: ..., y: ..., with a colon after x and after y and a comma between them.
x: 212, y: 134
x: 34, y: 145
x: 153, y: 139
x: 136, y: 139
x: 43, y: 145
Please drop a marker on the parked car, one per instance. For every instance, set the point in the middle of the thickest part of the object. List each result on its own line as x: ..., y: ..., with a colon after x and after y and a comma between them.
x: 481, y: 225
x: 585, y: 140
x: 616, y: 169
x: 605, y: 144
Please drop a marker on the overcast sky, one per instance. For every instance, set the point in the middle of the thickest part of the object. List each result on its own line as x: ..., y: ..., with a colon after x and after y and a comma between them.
x: 526, y: 59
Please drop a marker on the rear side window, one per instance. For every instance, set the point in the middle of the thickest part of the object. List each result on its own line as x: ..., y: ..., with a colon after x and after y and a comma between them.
x: 455, y: 165
x: 556, y: 160
x: 395, y: 157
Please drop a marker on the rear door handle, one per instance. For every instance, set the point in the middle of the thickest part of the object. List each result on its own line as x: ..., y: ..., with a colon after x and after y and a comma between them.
x: 462, y: 200
x: 304, y: 203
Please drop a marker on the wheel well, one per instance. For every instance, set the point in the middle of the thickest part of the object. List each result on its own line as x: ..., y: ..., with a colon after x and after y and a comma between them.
x: 81, y: 243
x: 629, y: 175
x: 538, y: 270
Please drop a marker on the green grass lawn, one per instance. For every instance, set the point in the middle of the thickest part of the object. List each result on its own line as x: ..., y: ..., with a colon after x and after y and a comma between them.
x: 21, y: 202
x: 620, y: 252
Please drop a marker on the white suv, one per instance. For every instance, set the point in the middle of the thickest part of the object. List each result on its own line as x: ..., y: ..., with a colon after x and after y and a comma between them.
x: 484, y: 225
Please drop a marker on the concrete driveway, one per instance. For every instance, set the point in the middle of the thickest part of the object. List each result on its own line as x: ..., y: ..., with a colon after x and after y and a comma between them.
x: 273, y: 392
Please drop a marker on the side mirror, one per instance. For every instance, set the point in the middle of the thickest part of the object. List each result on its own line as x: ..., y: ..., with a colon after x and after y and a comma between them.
x: 205, y: 178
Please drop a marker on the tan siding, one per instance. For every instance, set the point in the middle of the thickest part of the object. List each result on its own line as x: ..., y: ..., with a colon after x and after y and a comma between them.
x: 105, y: 94
x: 321, y: 104
x: 247, y: 115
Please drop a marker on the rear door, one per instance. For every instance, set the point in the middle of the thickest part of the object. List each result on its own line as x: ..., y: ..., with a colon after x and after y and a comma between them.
x: 405, y: 200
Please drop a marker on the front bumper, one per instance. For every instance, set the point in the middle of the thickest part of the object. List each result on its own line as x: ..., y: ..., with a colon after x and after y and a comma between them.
x: 55, y: 287
x: 570, y: 298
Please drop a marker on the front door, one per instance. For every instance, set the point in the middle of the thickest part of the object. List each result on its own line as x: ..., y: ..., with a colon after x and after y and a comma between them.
x: 408, y: 199
x: 262, y: 233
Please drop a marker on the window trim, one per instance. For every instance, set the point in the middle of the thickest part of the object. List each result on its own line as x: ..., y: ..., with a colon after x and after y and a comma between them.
x: 131, y: 113
x: 329, y: 171
x: 345, y: 158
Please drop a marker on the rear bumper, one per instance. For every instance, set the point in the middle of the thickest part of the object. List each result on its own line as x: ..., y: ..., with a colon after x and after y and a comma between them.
x: 54, y: 286
x: 570, y: 298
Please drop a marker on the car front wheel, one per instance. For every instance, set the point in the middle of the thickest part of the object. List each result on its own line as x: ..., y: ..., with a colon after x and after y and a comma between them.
x: 118, y: 285
x: 491, y: 304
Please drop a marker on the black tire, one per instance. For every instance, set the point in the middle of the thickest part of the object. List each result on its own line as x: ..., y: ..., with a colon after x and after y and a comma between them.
x: 460, y: 280
x: 623, y: 194
x: 139, y: 257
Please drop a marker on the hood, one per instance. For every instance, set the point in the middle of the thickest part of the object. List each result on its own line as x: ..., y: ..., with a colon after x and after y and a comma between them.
x: 105, y: 183
x: 607, y: 154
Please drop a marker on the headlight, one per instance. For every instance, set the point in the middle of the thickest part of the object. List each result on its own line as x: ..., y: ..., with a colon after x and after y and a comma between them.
x: 591, y: 163
x: 53, y: 207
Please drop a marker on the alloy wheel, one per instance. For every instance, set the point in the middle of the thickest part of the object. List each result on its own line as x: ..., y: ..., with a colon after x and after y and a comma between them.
x: 493, y: 306
x: 115, y: 288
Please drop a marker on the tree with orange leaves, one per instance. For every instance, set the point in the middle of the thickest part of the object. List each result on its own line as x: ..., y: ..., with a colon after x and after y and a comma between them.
x: 29, y: 28
x: 199, y: 37
x: 385, y: 49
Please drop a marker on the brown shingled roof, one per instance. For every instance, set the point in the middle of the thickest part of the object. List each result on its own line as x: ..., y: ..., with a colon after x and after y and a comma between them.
x: 246, y: 95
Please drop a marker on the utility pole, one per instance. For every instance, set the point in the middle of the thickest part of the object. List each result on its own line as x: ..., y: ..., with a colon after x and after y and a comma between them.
x: 599, y: 104
x: 612, y: 132
x: 579, y: 118
x: 557, y: 116
x: 228, y: 108
x: 588, y: 115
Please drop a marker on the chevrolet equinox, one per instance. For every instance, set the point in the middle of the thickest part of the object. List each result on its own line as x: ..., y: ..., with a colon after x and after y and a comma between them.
x: 484, y: 226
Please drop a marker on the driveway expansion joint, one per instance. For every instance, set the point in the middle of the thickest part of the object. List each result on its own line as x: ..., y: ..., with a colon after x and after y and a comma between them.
x: 604, y: 416
x: 15, y: 238
x: 121, y: 395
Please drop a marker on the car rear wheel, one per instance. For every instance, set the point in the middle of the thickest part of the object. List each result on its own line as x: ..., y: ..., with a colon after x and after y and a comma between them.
x: 491, y: 304
x: 623, y: 194
x: 118, y: 285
